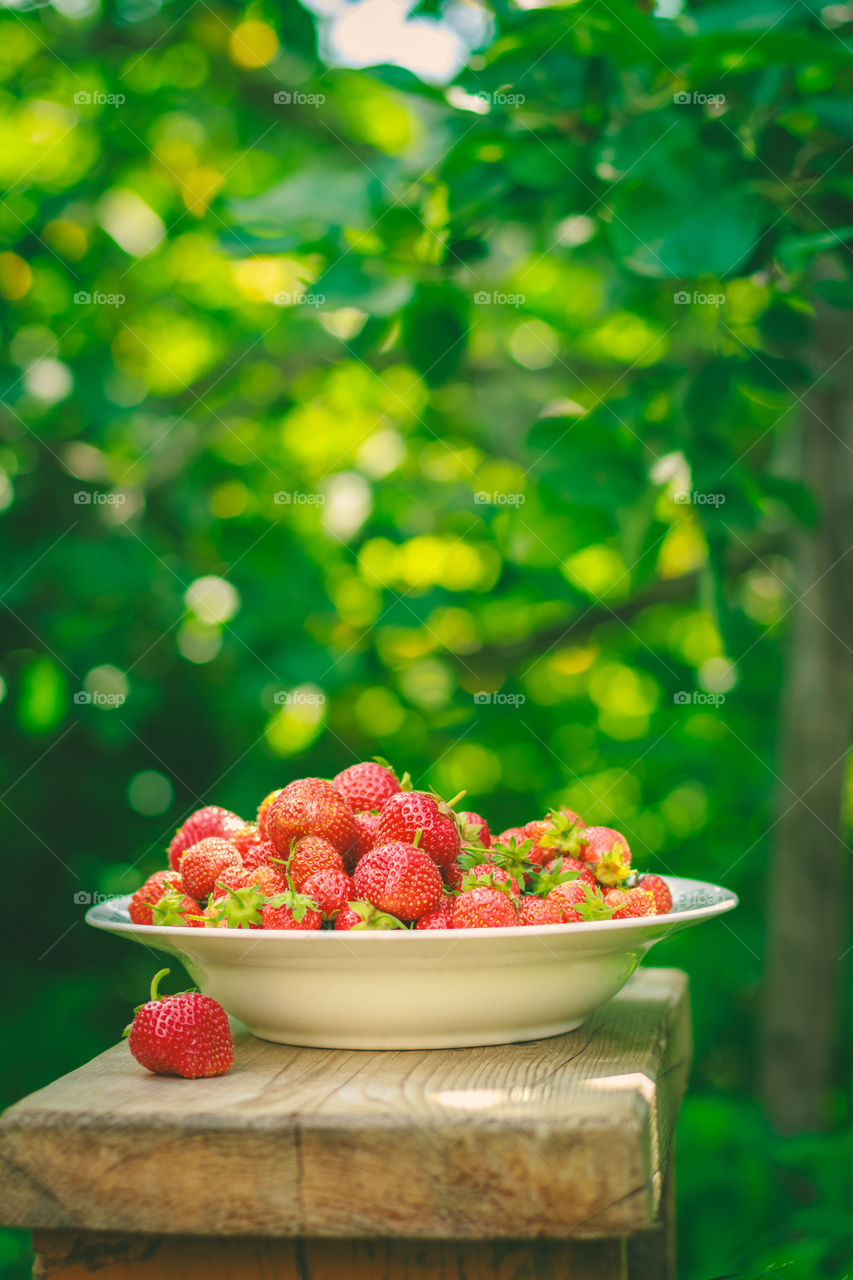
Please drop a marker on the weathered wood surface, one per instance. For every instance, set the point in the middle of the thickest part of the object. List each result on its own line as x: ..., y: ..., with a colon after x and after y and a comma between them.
x: 70, y: 1256
x: 565, y: 1137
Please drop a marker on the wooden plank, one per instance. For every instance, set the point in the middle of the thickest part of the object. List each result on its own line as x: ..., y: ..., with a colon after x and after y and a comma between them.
x: 74, y: 1256
x: 565, y: 1137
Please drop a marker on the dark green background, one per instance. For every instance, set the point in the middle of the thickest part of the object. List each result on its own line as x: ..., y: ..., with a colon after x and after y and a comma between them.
x: 584, y: 411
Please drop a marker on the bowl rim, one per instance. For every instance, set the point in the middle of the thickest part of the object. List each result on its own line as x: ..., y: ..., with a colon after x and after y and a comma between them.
x: 100, y: 916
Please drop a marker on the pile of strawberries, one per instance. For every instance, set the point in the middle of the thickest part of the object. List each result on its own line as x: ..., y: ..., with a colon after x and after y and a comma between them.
x: 366, y: 851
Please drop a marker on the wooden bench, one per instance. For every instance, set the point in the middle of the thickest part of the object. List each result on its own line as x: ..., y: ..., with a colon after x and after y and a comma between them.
x: 536, y: 1161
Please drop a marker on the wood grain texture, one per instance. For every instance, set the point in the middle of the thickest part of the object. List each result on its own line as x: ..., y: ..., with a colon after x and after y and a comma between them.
x: 565, y: 1137
x: 72, y: 1256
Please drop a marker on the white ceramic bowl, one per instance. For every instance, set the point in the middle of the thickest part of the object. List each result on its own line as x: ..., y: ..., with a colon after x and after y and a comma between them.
x: 417, y: 990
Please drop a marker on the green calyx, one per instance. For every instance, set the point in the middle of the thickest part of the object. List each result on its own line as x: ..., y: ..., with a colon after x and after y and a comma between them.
x: 240, y: 908
x: 485, y: 880
x: 563, y: 833
x: 594, y: 907
x: 544, y: 881
x: 169, y: 910
x: 614, y: 868
x: 154, y: 996
x: 373, y: 918
x: 298, y: 904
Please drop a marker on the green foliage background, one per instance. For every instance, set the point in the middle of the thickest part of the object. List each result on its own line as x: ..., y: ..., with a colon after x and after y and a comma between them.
x: 485, y: 496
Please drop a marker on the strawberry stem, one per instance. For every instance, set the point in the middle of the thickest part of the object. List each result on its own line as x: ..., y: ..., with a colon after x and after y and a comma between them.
x: 155, y: 983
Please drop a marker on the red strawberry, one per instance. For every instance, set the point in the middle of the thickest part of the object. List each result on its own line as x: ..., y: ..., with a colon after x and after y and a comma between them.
x: 367, y: 825
x: 629, y: 903
x: 210, y: 821
x: 139, y: 907
x: 484, y: 908
x: 202, y: 863
x: 330, y: 889
x: 408, y: 812
x: 311, y: 854
x: 608, y: 854
x: 399, y: 878
x: 561, y: 832
x: 512, y: 833
x: 575, y: 901
x: 660, y: 891
x: 184, y: 1035
x: 474, y: 830
x: 263, y: 810
x: 489, y: 873
x: 441, y: 917
x: 564, y: 863
x: 176, y: 909
x: 538, y: 911
x: 453, y: 874
x: 291, y: 911
x: 561, y: 871
x: 260, y: 855
x: 246, y: 838
x: 363, y: 915
x: 367, y: 785
x: 310, y: 807
x: 270, y: 880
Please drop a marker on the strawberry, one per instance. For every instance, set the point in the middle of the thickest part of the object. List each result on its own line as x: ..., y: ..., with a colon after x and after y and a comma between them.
x: 201, y: 864
x: 184, y: 1035
x: 367, y: 785
x: 512, y: 833
x: 177, y: 909
x: 626, y: 904
x: 260, y: 855
x: 399, y: 878
x: 330, y: 889
x: 660, y: 891
x: 474, y: 830
x: 534, y: 910
x: 608, y: 854
x: 210, y: 821
x: 269, y: 879
x: 263, y: 811
x: 484, y: 907
x: 310, y: 854
x: 561, y: 832
x: 246, y: 838
x: 310, y: 807
x: 405, y: 814
x: 363, y: 915
x: 488, y: 873
x: 291, y: 910
x: 367, y: 825
x: 575, y: 901
x: 139, y: 907
x: 441, y: 917
x: 454, y: 873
